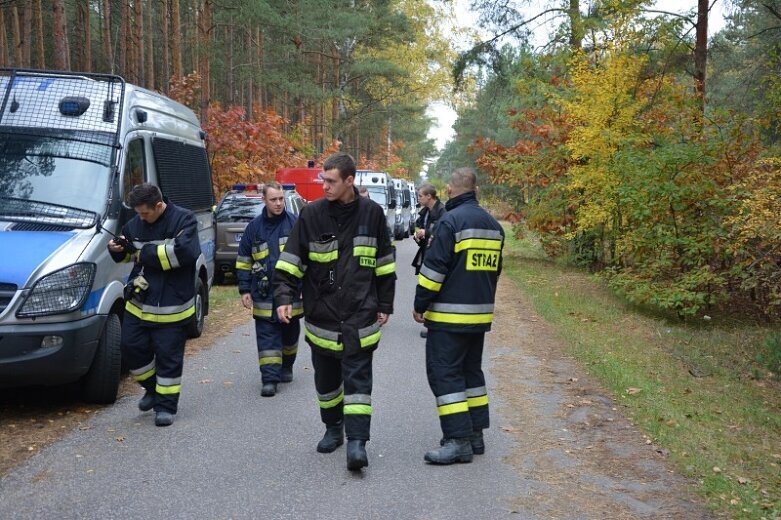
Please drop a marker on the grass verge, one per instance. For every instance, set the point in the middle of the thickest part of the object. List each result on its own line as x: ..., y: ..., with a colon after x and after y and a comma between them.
x: 696, y: 389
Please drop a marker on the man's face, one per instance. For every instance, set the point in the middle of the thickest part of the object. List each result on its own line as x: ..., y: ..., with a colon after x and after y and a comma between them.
x: 275, y: 201
x: 335, y: 188
x: 150, y: 214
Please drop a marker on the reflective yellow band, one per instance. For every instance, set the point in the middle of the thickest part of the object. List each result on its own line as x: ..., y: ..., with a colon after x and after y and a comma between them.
x: 146, y: 375
x: 385, y: 269
x: 357, y: 409
x: 290, y: 351
x: 371, y: 339
x: 270, y: 361
x: 324, y: 258
x: 289, y: 268
x: 168, y: 390
x: 262, y: 313
x: 243, y: 266
x: 332, y: 402
x: 260, y: 255
x: 478, y: 243
x: 429, y: 284
x: 298, y: 311
x: 159, y: 318
x: 324, y: 343
x: 461, y: 319
x: 474, y: 402
x: 364, y: 251
x: 449, y: 409
x: 164, y: 263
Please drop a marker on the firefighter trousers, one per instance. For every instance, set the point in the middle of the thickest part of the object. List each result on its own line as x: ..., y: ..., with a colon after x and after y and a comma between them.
x: 155, y: 356
x: 455, y: 375
x: 344, y: 391
x: 277, y: 347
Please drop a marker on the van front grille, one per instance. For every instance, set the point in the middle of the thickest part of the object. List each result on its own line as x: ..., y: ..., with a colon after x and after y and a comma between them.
x: 7, y: 291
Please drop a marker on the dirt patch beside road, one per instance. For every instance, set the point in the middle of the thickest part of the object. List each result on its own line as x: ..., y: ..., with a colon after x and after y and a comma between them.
x: 576, y: 454
x: 31, y: 418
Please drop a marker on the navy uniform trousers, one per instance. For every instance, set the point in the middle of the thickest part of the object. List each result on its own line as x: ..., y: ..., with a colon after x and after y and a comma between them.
x: 277, y: 347
x: 344, y: 388
x: 455, y: 375
x: 155, y: 357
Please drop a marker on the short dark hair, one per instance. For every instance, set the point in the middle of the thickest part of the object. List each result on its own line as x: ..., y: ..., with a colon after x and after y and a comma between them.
x: 342, y: 162
x: 428, y: 189
x: 274, y: 185
x: 464, y: 179
x: 145, y: 194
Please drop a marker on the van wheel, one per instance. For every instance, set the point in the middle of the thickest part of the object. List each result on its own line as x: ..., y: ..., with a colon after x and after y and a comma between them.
x: 195, y: 327
x: 101, y: 383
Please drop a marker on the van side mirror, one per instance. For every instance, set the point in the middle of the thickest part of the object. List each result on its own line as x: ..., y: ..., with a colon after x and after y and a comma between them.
x: 406, y: 205
x: 125, y: 214
x: 392, y: 204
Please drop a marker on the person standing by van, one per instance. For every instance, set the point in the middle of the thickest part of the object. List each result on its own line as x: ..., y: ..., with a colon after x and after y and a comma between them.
x: 263, y: 240
x: 431, y: 211
x: 455, y: 298
x: 341, y: 250
x: 162, y: 241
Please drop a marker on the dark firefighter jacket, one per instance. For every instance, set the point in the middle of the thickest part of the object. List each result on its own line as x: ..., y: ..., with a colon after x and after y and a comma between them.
x: 426, y: 221
x: 343, y: 254
x: 167, y: 251
x: 457, y: 283
x: 263, y: 240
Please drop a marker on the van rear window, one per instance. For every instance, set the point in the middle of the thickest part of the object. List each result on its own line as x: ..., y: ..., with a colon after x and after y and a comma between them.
x: 183, y: 173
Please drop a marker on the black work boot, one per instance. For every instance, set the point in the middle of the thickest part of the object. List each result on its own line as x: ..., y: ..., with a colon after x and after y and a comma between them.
x: 268, y: 390
x: 478, y: 444
x: 287, y: 374
x: 333, y: 438
x: 147, y: 402
x: 356, y: 454
x: 164, y: 418
x: 454, y: 450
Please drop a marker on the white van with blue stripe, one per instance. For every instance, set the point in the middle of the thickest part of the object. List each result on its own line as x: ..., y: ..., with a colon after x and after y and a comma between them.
x: 71, y: 147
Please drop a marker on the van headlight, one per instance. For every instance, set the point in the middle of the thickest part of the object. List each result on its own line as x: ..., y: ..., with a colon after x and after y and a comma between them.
x: 59, y: 292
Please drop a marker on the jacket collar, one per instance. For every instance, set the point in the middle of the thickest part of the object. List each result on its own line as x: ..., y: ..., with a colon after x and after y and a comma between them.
x: 470, y: 197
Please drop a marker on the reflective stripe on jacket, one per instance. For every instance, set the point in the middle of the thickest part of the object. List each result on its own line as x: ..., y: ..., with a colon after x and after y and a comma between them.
x: 457, y: 283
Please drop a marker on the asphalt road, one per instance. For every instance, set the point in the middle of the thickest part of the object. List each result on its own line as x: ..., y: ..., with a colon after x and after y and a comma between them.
x: 234, y: 454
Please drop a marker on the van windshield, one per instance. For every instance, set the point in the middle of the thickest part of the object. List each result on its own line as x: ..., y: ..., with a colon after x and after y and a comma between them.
x: 378, y: 195
x: 56, y: 171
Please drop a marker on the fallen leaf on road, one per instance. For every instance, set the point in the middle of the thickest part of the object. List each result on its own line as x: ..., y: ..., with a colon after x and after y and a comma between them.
x: 227, y: 383
x: 205, y: 381
x: 120, y: 439
x: 743, y: 480
x: 509, y: 429
x: 716, y: 469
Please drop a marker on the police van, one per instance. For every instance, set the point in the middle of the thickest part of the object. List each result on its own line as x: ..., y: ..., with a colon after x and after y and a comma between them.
x: 381, y: 191
x: 403, y: 209
x: 71, y: 148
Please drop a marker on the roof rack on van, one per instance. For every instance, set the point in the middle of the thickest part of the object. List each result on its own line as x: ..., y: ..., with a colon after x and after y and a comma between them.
x: 74, y: 106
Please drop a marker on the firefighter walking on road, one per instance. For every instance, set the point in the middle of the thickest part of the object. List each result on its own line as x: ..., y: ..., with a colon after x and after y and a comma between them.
x: 259, y: 249
x: 162, y: 241
x: 341, y: 249
x: 455, y: 300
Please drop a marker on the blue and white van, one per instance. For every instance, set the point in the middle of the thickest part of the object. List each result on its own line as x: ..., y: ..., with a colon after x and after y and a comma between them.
x: 71, y: 147
x: 381, y: 191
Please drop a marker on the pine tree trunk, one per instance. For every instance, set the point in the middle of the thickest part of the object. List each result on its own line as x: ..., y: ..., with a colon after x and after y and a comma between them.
x: 150, y: 57
x: 138, y: 42
x: 108, y: 53
x: 27, y: 33
x: 41, y: 49
x: 176, y: 39
x: 701, y: 52
x: 204, y: 41
x: 17, y: 37
x: 58, y: 34
x: 248, y: 101
x: 165, y: 20
x: 124, y: 29
x: 87, y: 36
x: 3, y: 41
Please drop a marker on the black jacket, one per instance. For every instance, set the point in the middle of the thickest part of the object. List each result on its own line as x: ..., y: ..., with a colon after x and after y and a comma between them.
x: 427, y: 220
x: 344, y: 256
x: 263, y: 241
x: 457, y: 283
x: 167, y: 251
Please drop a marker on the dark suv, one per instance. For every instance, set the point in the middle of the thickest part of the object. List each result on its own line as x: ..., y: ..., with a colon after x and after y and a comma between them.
x: 236, y: 209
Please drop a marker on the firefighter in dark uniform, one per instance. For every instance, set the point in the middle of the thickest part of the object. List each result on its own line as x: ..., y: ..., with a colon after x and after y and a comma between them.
x: 263, y: 240
x: 431, y: 211
x: 341, y: 249
x: 162, y: 241
x: 455, y: 300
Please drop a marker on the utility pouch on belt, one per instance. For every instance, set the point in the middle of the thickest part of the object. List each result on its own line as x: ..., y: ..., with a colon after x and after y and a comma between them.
x: 261, y: 279
x: 136, y: 289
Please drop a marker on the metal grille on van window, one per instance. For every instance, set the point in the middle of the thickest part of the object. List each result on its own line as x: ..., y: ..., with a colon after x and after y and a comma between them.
x: 7, y: 291
x: 31, y: 226
x: 184, y: 174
